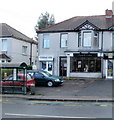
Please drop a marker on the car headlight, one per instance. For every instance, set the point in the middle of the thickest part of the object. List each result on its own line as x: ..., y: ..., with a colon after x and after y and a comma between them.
x: 57, y: 80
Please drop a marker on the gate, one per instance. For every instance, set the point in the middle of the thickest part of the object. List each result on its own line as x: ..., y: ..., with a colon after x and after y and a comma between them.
x: 13, y: 80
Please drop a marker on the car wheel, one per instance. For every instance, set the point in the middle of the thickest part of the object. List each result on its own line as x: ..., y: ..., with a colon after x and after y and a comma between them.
x: 49, y: 83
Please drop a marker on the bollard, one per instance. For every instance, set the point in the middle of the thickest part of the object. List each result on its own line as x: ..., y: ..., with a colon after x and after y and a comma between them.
x: 32, y: 89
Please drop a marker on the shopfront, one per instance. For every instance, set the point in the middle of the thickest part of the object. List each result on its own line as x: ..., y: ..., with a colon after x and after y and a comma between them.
x: 46, y: 63
x: 85, y: 65
x: 109, y: 61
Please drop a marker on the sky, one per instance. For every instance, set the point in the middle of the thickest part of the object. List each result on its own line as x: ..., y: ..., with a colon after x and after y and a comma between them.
x: 23, y: 14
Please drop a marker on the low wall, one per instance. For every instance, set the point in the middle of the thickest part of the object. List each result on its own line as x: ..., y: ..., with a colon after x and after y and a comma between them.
x: 86, y: 75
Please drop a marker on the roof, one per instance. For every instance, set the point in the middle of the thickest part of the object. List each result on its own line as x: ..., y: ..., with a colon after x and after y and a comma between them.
x: 8, y: 31
x: 4, y: 56
x: 99, y: 21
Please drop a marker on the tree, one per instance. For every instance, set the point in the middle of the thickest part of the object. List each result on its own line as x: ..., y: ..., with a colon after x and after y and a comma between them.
x: 44, y: 21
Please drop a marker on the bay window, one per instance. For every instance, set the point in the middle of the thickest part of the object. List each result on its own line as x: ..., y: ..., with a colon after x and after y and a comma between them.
x: 88, y: 39
x: 96, y: 39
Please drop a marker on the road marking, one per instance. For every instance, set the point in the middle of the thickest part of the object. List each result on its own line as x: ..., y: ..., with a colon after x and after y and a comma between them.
x: 72, y: 105
x: 46, y: 116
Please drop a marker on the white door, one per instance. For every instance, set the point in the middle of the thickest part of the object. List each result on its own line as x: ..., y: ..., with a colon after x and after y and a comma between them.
x: 109, y: 69
x: 47, y: 66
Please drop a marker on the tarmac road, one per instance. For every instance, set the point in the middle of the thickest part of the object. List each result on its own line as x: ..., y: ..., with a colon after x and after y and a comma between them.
x: 74, y: 88
x: 18, y: 108
x: 71, y: 90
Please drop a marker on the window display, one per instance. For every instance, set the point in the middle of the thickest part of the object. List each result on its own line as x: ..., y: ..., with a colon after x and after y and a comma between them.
x: 85, y: 64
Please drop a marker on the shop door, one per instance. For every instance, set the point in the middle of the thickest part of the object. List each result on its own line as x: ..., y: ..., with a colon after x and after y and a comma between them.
x: 63, y: 66
x: 109, y: 70
x: 47, y: 66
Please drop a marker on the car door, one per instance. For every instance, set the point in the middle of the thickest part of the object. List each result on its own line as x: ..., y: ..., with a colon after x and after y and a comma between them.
x: 19, y: 81
x: 39, y: 78
x: 8, y: 81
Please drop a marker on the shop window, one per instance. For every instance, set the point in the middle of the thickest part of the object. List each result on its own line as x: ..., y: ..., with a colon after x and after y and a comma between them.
x: 43, y: 65
x: 85, y: 64
x: 50, y: 66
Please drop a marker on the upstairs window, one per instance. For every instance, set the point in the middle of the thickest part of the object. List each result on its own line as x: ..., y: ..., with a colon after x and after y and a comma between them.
x: 4, y: 45
x: 96, y: 39
x: 88, y: 39
x: 64, y: 38
x: 24, y: 50
x: 46, y: 41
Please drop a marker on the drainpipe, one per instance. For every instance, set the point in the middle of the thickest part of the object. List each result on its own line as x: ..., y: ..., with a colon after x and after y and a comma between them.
x: 31, y: 53
x: 102, y: 56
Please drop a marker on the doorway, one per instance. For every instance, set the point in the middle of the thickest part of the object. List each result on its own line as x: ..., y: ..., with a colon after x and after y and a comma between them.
x: 63, y: 66
x: 109, y: 68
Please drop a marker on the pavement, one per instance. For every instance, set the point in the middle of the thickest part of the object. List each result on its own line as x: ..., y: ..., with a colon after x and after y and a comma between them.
x: 82, y: 90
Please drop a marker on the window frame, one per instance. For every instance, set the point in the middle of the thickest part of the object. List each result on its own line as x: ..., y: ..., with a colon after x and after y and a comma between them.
x: 96, y: 37
x: 78, y: 64
x: 93, y: 37
x: 46, y: 42
x: 4, y: 44
x: 24, y: 49
x: 84, y: 39
x: 65, y: 40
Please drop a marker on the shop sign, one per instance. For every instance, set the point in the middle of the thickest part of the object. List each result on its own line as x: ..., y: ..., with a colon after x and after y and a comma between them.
x: 85, y: 55
x: 45, y: 58
x: 110, y: 55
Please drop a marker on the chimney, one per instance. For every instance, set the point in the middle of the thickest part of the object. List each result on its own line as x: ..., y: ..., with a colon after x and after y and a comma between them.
x: 113, y: 7
x: 108, y: 13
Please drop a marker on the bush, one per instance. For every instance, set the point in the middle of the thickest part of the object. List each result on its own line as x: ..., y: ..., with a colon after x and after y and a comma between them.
x: 29, y: 67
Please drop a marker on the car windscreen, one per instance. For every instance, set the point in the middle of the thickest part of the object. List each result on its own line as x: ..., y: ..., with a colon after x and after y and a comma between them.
x: 46, y: 73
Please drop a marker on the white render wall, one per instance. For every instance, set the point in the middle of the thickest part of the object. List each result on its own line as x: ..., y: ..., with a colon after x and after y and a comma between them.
x: 107, y: 41
x: 15, y: 51
x: 56, y: 51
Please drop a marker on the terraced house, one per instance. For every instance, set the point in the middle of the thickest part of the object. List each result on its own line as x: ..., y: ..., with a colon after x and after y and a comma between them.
x: 82, y: 46
x: 16, y: 48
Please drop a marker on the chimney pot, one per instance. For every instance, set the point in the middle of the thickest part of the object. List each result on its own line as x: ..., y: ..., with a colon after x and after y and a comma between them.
x: 108, y: 13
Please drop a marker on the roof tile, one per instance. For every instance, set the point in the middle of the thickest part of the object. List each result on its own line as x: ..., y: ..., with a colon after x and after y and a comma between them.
x: 99, y: 21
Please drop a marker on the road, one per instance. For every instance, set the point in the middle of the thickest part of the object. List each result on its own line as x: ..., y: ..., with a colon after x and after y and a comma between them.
x: 20, y: 108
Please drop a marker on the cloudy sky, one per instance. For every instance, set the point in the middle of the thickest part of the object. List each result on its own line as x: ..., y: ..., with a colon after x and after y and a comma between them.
x: 23, y: 14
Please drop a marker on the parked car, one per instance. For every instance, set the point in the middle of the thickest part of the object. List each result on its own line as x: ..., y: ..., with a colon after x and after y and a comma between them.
x: 20, y: 81
x: 44, y: 78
